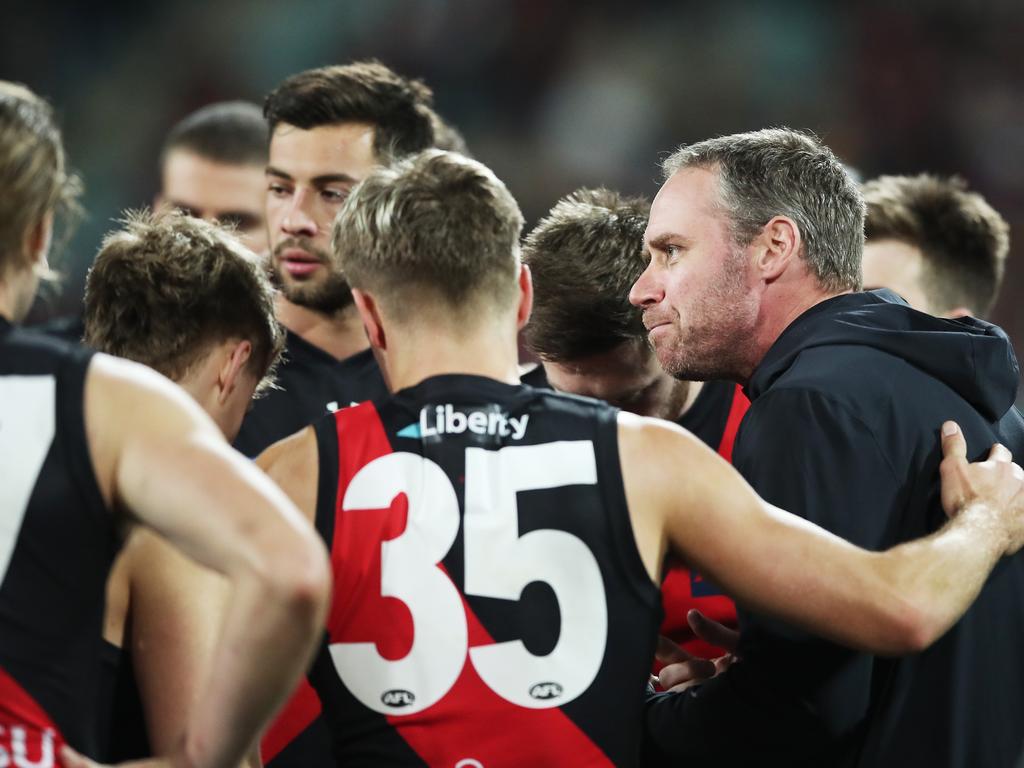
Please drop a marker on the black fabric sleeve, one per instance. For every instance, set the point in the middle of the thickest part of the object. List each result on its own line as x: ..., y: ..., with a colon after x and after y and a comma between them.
x: 794, y: 698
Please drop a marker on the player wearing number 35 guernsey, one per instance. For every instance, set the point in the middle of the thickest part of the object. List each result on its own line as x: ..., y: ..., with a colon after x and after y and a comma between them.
x: 496, y: 548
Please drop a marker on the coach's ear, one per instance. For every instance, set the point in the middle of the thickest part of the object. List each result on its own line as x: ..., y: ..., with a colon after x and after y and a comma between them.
x: 369, y: 313
x: 525, y: 297
x: 776, y: 248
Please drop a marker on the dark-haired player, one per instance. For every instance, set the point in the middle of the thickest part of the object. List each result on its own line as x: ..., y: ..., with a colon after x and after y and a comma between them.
x: 935, y: 242
x: 86, y: 439
x: 496, y: 548
x: 183, y: 297
x: 211, y: 167
x: 584, y: 256
x: 329, y: 127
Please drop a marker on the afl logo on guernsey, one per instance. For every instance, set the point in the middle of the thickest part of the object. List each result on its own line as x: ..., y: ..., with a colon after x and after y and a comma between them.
x: 545, y: 691
x: 397, y: 698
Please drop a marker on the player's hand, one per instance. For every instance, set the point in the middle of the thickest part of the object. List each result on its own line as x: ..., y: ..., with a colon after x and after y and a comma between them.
x: 996, y: 484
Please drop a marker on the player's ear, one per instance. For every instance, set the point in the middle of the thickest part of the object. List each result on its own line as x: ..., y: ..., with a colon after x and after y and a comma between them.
x: 369, y: 313
x: 525, y: 296
x: 36, y: 243
x: 236, y: 355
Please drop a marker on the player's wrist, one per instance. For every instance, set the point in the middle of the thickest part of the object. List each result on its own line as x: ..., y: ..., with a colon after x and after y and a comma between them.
x: 987, y: 523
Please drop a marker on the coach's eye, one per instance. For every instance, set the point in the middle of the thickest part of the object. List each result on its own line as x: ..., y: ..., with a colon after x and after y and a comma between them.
x: 278, y: 190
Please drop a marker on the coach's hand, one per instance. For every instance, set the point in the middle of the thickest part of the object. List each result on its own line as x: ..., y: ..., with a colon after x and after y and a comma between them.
x: 996, y: 484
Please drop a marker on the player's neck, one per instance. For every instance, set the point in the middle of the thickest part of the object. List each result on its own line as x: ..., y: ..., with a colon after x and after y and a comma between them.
x: 420, y: 355
x: 14, y: 299
x: 340, y: 335
x: 688, y: 392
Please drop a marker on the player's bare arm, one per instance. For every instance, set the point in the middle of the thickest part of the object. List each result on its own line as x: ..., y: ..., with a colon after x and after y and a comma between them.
x: 225, y: 514
x: 683, y: 495
x: 176, y: 606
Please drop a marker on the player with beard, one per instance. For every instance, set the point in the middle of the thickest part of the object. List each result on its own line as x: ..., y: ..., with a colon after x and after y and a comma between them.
x: 585, y: 255
x: 329, y: 128
x: 451, y: 503
x: 756, y: 243
x: 88, y: 441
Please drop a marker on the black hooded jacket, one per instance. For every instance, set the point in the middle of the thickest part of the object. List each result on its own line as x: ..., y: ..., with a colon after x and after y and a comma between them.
x: 844, y: 430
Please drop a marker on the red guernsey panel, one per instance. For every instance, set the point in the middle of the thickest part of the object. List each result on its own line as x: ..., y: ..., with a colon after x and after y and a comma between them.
x: 27, y: 735
x: 682, y: 589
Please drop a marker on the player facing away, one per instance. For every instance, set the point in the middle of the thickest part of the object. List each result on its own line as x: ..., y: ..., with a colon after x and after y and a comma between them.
x: 496, y: 548
x: 183, y: 297
x: 87, y: 441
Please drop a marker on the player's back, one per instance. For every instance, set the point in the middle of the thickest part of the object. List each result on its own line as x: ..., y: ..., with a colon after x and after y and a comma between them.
x: 490, y: 605
x: 56, y: 545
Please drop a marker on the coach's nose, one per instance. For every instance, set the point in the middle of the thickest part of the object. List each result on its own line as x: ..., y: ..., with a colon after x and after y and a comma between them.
x: 647, y: 289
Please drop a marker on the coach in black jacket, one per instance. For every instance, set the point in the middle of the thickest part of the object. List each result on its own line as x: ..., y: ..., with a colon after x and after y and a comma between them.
x: 755, y: 245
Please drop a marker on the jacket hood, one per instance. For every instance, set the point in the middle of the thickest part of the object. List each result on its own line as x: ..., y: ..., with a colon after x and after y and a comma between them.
x: 972, y: 357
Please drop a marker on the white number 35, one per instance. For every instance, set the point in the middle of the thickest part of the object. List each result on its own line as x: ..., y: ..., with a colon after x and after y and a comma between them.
x: 499, y: 563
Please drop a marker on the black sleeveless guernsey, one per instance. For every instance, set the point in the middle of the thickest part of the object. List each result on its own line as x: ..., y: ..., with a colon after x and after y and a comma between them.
x: 490, y: 605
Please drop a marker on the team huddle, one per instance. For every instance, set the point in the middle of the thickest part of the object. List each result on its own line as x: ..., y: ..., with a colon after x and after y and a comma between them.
x: 289, y: 494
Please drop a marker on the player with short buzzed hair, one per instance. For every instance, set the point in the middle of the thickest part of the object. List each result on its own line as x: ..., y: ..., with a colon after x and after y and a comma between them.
x: 211, y: 167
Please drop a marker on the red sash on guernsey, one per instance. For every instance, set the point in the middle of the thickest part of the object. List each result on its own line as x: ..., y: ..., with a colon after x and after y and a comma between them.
x: 28, y: 738
x: 471, y: 724
x: 682, y: 589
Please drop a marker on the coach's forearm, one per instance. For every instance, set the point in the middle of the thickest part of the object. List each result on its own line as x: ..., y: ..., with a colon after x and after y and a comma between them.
x: 934, y: 580
x: 270, y: 631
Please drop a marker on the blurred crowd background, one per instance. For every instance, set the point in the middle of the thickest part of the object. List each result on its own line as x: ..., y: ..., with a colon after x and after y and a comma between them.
x: 551, y: 94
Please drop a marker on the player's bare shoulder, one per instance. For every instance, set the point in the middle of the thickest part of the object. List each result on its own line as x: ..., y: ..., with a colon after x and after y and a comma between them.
x: 293, y: 463
x: 125, y: 400
x: 666, y: 471
x: 659, y: 454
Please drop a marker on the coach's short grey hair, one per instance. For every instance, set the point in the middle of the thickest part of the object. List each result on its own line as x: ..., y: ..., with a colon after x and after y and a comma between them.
x: 782, y: 172
x: 436, y: 226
